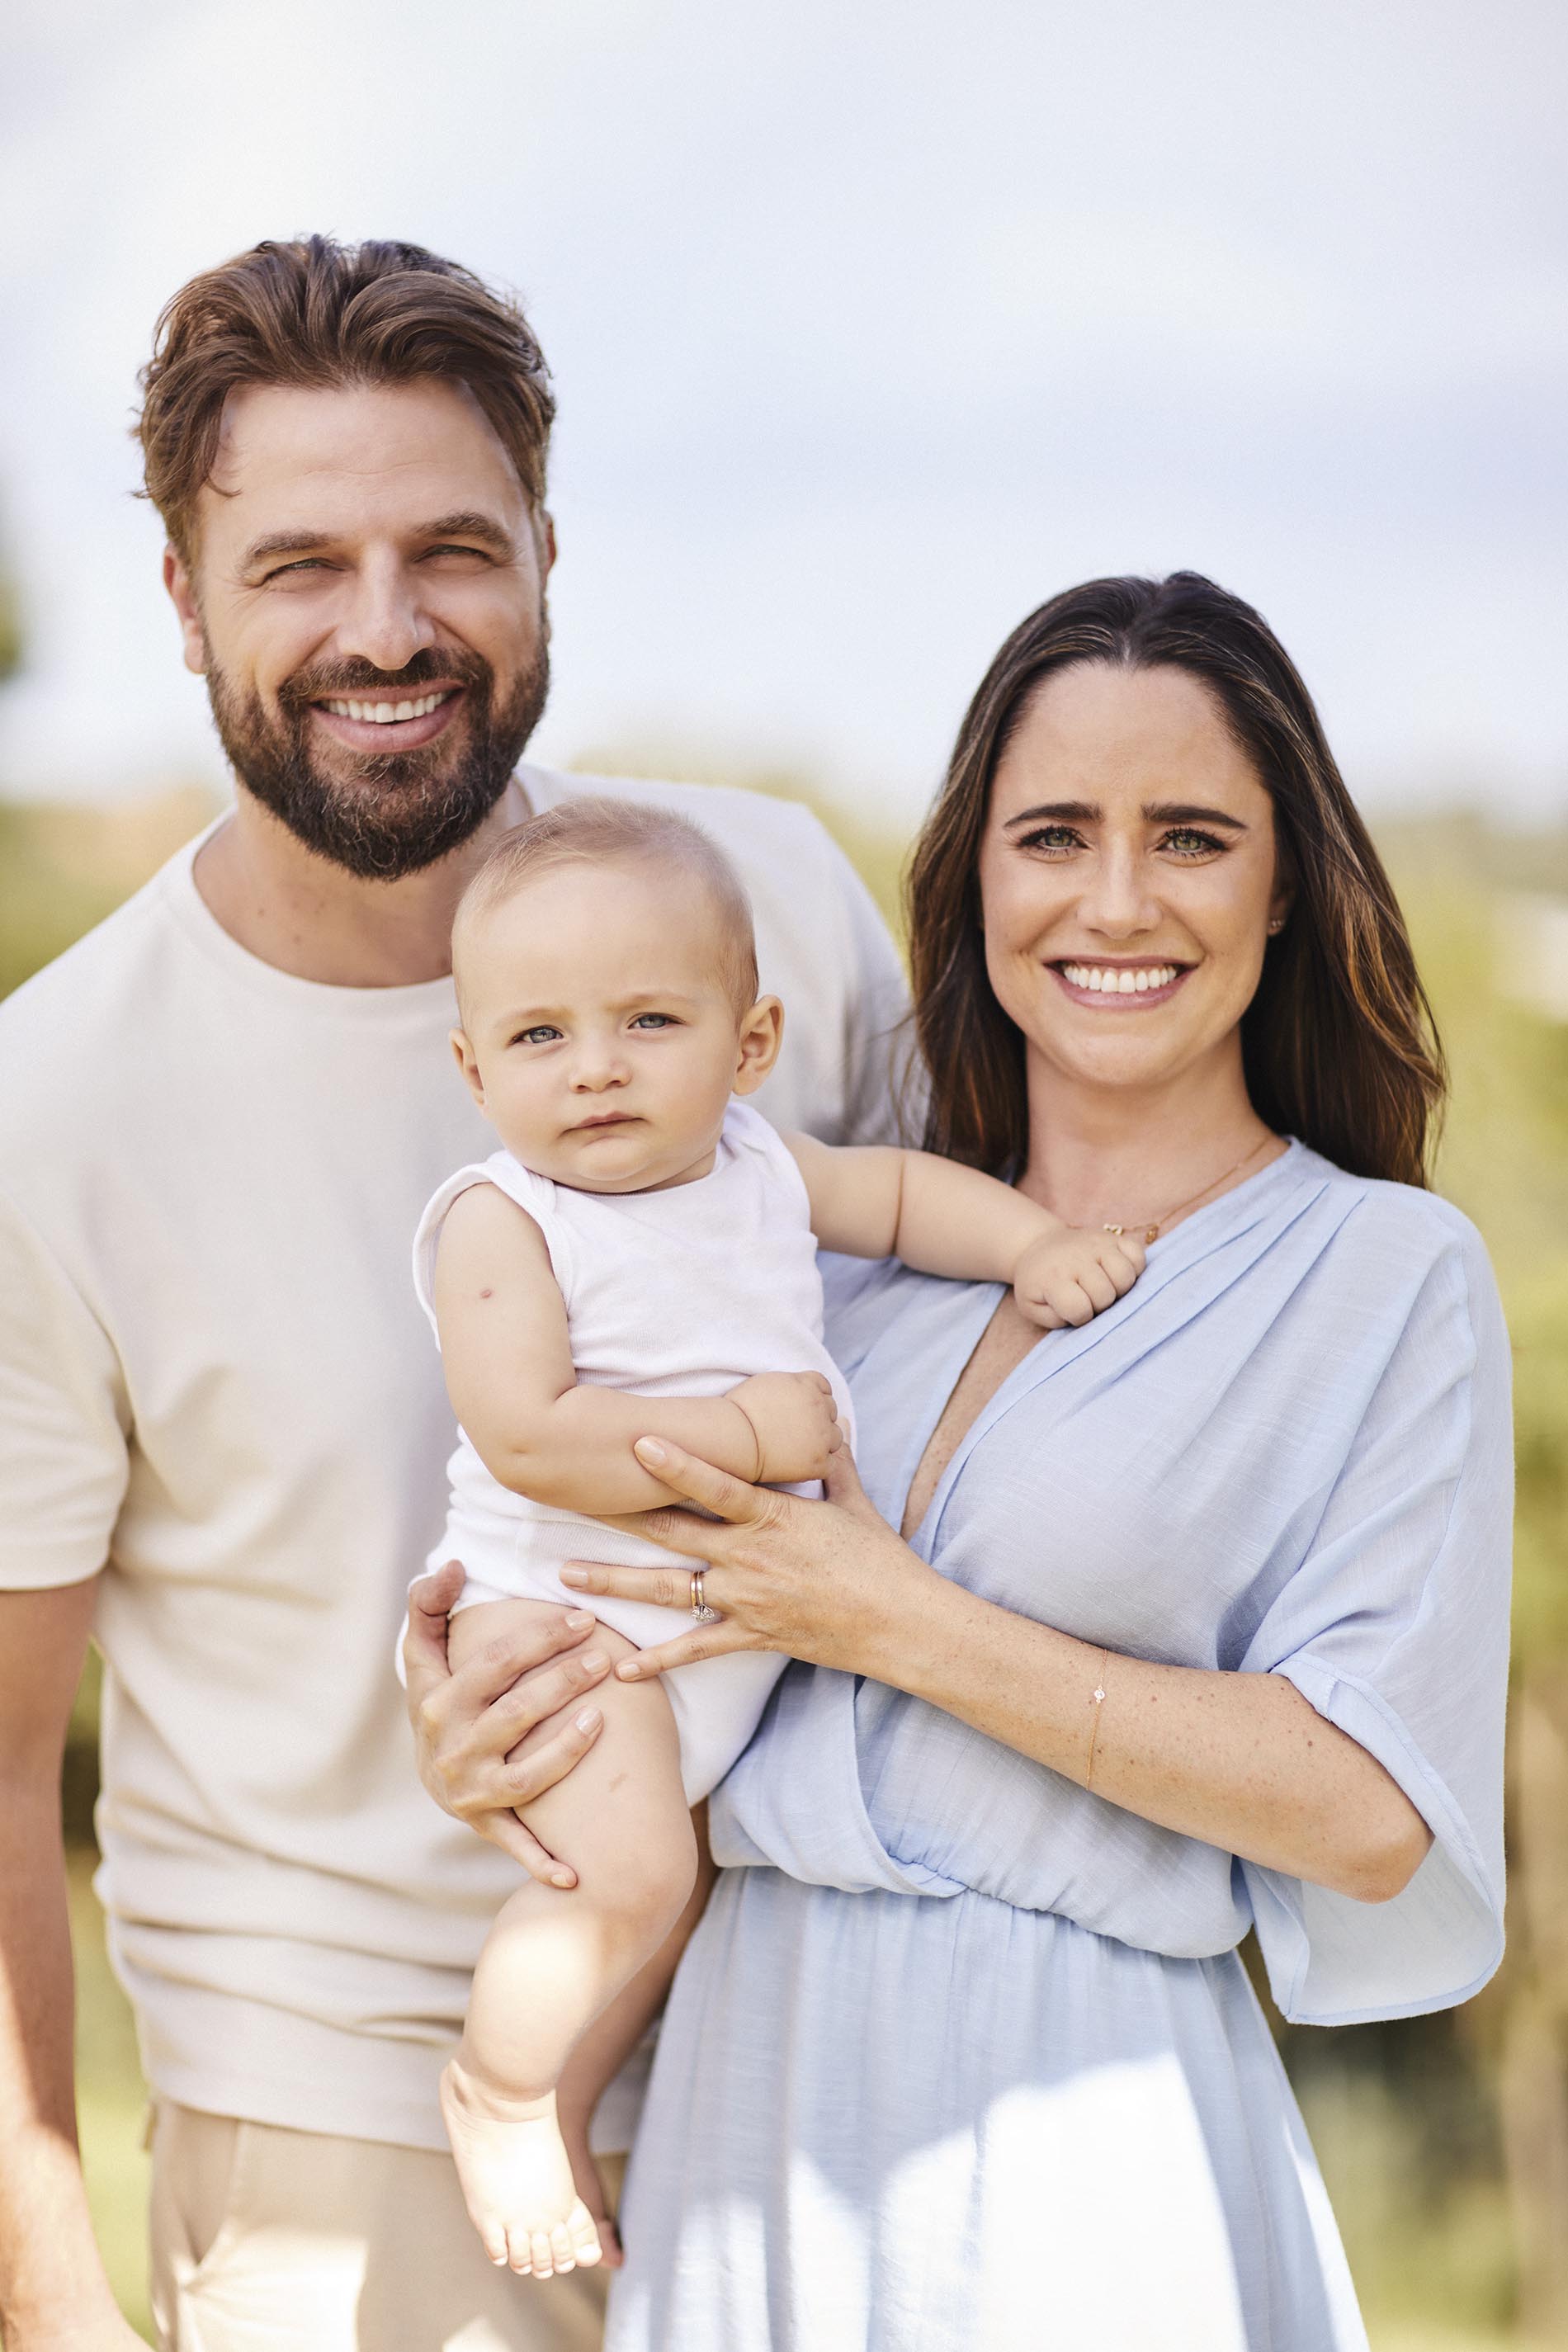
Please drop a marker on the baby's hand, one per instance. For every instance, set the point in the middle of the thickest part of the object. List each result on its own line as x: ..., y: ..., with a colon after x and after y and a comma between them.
x: 1073, y: 1276
x: 794, y: 1420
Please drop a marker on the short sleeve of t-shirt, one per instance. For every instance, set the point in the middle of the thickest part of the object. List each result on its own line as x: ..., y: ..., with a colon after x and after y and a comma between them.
x: 63, y: 1419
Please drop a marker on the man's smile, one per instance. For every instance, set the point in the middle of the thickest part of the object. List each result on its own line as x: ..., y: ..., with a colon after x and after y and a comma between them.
x: 389, y: 722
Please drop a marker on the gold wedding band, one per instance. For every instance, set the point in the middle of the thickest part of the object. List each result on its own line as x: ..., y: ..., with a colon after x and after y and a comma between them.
x: 700, y: 1608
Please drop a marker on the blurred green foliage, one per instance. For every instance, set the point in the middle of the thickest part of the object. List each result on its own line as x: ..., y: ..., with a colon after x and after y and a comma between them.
x: 1443, y: 2138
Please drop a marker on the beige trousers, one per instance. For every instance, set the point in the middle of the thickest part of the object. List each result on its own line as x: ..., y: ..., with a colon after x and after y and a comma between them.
x: 272, y: 2241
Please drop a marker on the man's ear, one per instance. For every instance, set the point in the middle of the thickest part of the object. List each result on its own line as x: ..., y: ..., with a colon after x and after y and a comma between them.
x: 762, y: 1034
x: 544, y: 532
x: 183, y: 596
x: 468, y: 1064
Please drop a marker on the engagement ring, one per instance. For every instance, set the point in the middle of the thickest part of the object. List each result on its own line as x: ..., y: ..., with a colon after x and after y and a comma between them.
x: 700, y: 1608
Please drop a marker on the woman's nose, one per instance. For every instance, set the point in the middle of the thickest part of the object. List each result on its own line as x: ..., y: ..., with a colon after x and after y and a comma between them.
x: 1119, y: 901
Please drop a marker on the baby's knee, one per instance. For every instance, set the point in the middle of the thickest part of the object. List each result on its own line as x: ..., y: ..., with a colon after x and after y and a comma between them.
x: 656, y: 1875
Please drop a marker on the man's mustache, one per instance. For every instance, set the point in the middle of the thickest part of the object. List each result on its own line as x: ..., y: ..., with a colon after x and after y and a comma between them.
x: 338, y: 679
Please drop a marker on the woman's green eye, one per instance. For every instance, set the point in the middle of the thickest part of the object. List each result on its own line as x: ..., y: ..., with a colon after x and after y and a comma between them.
x: 1188, y: 842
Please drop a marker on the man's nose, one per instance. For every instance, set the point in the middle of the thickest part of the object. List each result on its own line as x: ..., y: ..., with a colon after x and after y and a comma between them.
x: 384, y: 621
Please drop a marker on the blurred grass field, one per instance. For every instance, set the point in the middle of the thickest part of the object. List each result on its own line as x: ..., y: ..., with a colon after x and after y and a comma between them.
x: 1444, y: 2140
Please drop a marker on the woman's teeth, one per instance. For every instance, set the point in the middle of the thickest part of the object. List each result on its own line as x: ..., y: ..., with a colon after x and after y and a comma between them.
x: 387, y: 714
x: 1120, y: 979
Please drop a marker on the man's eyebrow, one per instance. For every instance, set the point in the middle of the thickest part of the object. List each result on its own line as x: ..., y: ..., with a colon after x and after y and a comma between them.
x: 467, y: 522
x: 281, y: 542
x: 1154, y: 813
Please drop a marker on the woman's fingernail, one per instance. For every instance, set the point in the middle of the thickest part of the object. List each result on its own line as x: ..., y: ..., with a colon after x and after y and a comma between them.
x: 589, y: 1720
x: 579, y: 1621
x: 593, y: 1661
x: 629, y: 1670
x: 573, y: 1577
x: 562, y: 1878
x: 648, y: 1449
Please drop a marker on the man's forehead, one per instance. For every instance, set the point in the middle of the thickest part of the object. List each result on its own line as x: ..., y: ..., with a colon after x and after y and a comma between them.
x: 341, y: 455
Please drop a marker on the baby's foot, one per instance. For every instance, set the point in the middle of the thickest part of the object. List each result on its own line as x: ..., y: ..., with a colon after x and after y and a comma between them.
x: 516, y: 2176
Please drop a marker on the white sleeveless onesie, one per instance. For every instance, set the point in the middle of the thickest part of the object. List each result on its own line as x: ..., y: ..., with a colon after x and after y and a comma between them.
x: 684, y: 1292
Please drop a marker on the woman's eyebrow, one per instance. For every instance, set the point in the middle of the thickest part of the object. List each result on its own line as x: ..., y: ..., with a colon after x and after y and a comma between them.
x: 1057, y: 813
x: 1183, y: 812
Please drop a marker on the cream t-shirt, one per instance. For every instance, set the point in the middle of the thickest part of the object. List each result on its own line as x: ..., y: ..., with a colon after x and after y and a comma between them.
x: 216, y: 1387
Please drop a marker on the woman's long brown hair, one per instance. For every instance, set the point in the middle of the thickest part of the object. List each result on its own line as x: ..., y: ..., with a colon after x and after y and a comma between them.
x: 1338, y: 1045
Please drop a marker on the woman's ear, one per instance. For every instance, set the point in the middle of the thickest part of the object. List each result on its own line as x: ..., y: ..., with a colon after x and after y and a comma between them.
x: 468, y: 1064
x: 762, y: 1034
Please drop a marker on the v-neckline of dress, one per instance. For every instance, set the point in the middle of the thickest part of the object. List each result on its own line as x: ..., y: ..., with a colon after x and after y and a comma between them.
x: 1166, y: 1256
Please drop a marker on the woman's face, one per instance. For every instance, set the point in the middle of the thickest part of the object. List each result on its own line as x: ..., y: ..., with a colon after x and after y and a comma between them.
x: 1128, y: 876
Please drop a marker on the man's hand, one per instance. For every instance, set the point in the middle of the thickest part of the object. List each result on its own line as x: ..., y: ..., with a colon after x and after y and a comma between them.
x: 470, y: 1726
x: 795, y: 1421
x: 1075, y: 1275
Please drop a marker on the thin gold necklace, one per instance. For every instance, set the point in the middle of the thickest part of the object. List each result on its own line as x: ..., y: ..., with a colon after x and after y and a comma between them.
x: 1151, y: 1226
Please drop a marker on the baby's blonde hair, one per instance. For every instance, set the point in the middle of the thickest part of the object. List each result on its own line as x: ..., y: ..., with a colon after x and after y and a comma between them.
x: 599, y: 830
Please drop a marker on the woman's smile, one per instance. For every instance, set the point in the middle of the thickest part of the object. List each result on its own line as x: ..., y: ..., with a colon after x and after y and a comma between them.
x: 1117, y: 984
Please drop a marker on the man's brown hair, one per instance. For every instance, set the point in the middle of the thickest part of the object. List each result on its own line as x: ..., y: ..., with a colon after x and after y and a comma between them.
x: 314, y: 312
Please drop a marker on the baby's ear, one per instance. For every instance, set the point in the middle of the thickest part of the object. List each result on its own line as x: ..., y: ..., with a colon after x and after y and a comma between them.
x: 468, y: 1062
x: 757, y: 1048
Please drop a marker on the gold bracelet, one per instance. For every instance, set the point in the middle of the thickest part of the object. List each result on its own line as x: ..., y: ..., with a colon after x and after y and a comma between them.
x: 1097, y: 1694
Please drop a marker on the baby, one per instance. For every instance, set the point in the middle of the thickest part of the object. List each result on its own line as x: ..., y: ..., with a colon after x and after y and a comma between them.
x: 639, y: 1260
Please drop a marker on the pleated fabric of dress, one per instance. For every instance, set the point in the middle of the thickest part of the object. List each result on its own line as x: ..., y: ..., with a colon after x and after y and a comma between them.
x: 962, y: 2058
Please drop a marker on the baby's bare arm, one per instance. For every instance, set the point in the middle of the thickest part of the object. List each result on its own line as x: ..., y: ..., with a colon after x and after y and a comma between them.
x: 943, y: 1219
x: 508, y: 1362
x: 877, y: 1201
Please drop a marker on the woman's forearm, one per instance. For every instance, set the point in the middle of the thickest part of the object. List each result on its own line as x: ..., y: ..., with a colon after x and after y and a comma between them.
x: 1242, y: 1762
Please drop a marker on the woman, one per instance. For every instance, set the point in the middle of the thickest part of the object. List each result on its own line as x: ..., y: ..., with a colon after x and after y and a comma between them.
x: 1198, y: 1616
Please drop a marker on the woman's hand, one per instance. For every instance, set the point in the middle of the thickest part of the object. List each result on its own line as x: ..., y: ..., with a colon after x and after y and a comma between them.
x: 468, y: 1726
x: 828, y: 1581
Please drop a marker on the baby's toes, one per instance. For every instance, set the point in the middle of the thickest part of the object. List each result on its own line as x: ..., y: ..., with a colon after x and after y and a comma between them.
x: 520, y: 2252
x: 541, y: 2259
x: 562, y: 2254
x: 492, y: 2237
x: 586, y: 2247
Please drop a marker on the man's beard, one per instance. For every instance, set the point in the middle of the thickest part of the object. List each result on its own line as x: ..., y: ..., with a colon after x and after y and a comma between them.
x: 383, y: 814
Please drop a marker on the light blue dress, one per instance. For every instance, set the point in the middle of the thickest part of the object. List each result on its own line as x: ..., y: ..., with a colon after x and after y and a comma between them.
x: 963, y: 2059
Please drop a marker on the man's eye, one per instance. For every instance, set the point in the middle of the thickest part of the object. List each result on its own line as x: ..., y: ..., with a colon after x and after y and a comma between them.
x: 541, y: 1034
x: 474, y: 555
x: 653, y: 1021
x: 1187, y: 841
x: 305, y: 564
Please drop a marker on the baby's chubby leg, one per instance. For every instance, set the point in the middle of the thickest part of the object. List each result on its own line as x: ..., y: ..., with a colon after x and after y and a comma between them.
x: 556, y: 1958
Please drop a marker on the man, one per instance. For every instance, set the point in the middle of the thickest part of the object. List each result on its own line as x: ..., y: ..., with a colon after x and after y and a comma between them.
x: 222, y: 1426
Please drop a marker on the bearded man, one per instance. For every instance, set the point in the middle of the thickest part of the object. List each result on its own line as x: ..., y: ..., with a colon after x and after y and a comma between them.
x: 222, y: 1425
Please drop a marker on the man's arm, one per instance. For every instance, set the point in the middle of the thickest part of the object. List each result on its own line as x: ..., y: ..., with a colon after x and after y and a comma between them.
x: 509, y: 1375
x: 54, y: 2296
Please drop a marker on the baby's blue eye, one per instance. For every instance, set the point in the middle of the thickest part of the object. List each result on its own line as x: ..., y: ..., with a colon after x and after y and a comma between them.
x: 541, y: 1035
x: 653, y: 1021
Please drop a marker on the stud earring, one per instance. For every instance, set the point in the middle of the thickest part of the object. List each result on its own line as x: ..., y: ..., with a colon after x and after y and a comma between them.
x: 1276, y: 926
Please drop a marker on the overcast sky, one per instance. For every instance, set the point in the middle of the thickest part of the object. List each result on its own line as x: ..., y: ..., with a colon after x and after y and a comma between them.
x: 873, y: 323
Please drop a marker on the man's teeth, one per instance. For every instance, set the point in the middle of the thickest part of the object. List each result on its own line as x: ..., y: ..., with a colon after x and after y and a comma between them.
x: 1121, y: 980
x: 387, y: 714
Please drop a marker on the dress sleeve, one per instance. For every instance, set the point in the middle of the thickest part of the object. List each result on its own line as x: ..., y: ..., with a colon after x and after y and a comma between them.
x: 1394, y: 1628
x: 64, y: 1419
